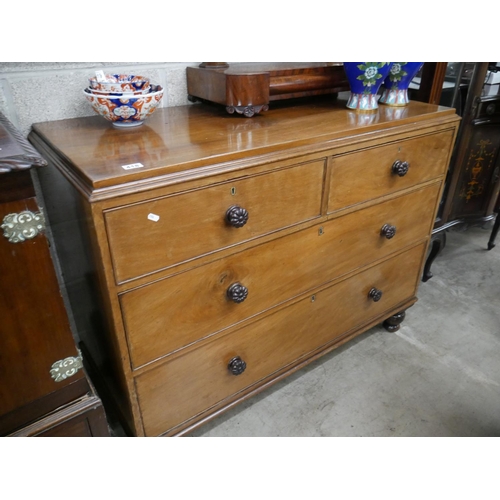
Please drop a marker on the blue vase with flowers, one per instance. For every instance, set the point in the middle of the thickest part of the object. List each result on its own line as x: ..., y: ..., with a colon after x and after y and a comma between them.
x: 397, y: 82
x: 365, y: 79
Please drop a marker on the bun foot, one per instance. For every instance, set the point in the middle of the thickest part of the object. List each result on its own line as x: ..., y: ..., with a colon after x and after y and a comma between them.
x: 393, y: 323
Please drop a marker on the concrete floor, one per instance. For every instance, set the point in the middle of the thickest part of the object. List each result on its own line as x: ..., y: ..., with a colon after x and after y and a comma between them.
x: 439, y: 375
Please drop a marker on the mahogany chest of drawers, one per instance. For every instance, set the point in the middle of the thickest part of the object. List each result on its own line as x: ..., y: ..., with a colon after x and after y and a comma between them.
x: 230, y: 252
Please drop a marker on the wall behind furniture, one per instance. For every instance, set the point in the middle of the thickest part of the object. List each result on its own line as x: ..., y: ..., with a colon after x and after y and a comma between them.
x: 38, y: 92
x: 32, y: 92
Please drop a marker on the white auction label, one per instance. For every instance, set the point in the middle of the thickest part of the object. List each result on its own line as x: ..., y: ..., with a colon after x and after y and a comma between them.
x: 154, y: 217
x: 100, y: 76
x: 132, y: 165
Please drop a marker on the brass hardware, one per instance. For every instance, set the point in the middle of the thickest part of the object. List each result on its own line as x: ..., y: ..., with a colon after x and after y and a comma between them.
x: 321, y: 231
x: 65, y: 368
x: 233, y: 190
x: 313, y: 298
x: 22, y: 226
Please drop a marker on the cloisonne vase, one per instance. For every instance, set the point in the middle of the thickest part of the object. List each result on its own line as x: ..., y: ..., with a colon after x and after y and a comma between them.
x: 365, y: 79
x: 397, y: 82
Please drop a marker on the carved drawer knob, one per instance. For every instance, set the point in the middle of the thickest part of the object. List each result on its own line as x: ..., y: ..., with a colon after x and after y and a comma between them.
x: 237, y: 292
x: 236, y: 216
x: 236, y: 366
x: 388, y: 231
x: 400, y: 168
x: 375, y: 294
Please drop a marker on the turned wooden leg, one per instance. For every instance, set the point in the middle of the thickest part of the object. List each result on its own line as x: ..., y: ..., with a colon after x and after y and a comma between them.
x: 438, y: 242
x: 494, y: 232
x: 393, y: 323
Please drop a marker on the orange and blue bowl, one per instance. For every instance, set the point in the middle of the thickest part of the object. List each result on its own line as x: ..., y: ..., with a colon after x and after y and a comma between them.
x: 127, y: 109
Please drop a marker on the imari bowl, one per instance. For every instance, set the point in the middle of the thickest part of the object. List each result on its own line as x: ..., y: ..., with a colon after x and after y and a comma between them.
x: 129, y: 93
x: 397, y: 82
x: 365, y: 79
x: 125, y: 110
x: 120, y: 83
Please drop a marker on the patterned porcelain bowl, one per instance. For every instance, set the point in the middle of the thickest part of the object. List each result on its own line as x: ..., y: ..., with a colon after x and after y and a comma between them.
x: 120, y: 83
x: 128, y: 93
x: 126, y: 111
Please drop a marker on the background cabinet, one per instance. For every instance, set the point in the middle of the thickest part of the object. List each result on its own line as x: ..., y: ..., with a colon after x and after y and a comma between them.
x: 472, y: 183
x: 43, y: 390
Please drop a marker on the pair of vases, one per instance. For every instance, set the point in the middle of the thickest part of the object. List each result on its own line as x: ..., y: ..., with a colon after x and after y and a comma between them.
x: 365, y: 79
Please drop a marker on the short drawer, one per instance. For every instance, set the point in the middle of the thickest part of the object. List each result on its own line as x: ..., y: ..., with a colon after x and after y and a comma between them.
x: 169, y: 314
x: 196, y: 381
x: 157, y: 234
x: 368, y: 174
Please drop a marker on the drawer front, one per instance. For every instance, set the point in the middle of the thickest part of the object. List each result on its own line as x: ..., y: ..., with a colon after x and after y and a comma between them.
x: 154, y: 235
x: 364, y: 175
x: 172, y: 313
x: 191, y: 383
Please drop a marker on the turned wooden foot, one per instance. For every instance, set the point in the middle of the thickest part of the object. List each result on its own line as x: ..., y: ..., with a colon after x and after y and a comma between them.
x: 438, y: 242
x: 393, y: 323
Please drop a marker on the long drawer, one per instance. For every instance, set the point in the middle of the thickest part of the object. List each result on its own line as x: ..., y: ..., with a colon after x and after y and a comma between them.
x: 172, y: 313
x: 157, y: 234
x: 192, y: 383
x: 368, y: 174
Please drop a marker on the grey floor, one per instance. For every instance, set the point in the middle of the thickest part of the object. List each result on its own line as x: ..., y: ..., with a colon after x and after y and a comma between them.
x: 439, y: 375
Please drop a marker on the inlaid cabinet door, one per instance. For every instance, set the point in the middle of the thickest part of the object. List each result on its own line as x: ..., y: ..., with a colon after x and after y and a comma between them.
x: 34, y: 328
x: 479, y: 182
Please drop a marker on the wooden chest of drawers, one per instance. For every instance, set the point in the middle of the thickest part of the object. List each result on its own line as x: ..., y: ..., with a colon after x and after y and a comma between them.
x: 230, y: 252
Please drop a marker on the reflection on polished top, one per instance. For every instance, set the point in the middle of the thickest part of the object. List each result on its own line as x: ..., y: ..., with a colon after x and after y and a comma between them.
x: 181, y: 138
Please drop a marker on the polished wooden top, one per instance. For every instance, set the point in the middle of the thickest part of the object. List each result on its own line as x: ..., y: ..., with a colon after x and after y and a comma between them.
x: 181, y: 138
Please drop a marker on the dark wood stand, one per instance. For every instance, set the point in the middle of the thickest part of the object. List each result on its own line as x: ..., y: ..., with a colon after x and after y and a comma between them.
x: 44, y: 389
x: 248, y: 88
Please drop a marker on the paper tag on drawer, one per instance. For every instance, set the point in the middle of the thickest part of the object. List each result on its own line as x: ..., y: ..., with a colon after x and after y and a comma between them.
x: 154, y: 217
x: 132, y: 165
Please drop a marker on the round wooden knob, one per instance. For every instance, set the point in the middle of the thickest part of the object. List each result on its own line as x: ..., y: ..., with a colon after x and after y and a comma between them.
x: 236, y: 216
x: 375, y: 294
x: 237, y: 292
x: 388, y: 231
x: 236, y: 366
x: 400, y: 168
